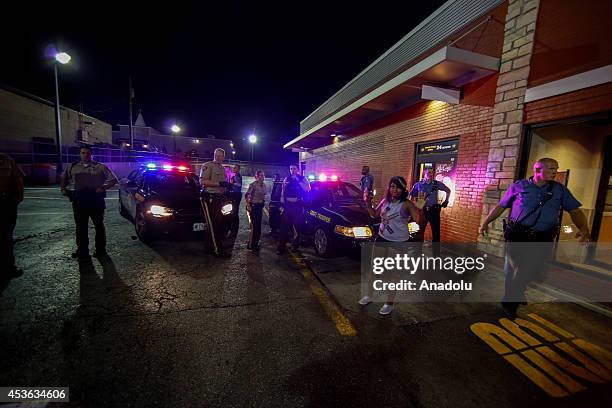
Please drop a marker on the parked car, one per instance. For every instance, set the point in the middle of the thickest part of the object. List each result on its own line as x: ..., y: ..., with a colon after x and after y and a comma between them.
x: 162, y: 199
x: 336, y: 218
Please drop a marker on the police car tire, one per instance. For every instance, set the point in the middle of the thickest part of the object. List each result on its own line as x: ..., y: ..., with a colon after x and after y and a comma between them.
x: 322, y: 233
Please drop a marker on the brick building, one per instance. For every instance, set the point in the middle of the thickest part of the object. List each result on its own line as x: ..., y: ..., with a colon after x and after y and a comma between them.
x: 478, y: 91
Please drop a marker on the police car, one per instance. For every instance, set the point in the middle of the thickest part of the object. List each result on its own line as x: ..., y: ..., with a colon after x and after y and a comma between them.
x: 335, y: 216
x: 162, y: 198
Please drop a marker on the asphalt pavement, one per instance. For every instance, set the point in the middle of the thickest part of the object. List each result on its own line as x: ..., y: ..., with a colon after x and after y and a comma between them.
x: 168, y: 325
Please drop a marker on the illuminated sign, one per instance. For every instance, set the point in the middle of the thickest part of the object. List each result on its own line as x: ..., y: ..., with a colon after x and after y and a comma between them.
x: 450, y: 146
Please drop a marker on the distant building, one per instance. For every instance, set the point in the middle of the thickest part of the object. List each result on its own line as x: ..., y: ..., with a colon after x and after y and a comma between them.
x: 27, y: 127
x: 151, y: 139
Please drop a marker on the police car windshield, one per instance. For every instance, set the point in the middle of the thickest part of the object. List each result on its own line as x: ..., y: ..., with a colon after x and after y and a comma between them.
x: 340, y: 191
x: 171, y: 180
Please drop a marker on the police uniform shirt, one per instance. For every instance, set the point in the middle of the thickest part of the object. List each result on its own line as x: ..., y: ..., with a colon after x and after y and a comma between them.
x: 9, y: 174
x: 367, y: 181
x: 213, y: 171
x: 88, y: 176
x: 237, y: 183
x: 293, y: 189
x: 257, y: 192
x: 429, y: 189
x: 525, y: 195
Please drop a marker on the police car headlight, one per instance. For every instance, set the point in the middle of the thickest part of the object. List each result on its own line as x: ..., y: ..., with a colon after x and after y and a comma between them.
x: 227, y: 209
x: 159, y: 211
x: 353, y: 232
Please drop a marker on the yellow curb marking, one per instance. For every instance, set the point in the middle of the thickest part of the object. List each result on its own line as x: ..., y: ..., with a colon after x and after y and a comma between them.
x: 343, y: 324
x: 554, y: 373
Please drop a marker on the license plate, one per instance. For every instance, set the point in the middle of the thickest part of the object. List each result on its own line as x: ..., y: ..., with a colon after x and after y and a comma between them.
x: 199, y: 226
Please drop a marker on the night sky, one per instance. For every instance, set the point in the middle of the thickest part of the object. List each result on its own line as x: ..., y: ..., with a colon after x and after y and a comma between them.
x: 226, y: 70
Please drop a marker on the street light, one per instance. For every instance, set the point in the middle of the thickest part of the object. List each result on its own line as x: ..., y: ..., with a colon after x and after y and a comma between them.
x: 252, y: 141
x: 60, y: 58
x: 175, y: 129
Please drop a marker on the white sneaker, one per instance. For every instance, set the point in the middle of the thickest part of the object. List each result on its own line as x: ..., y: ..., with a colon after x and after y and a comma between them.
x: 386, y: 309
x: 365, y: 300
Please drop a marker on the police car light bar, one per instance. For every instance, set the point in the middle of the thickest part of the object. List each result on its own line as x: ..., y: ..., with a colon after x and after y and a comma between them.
x: 311, y: 177
x: 151, y: 166
x: 322, y: 177
x: 334, y: 178
x: 167, y: 167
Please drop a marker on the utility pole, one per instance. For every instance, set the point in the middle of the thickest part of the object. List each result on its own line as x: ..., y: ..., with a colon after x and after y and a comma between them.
x: 58, y: 125
x: 131, y: 122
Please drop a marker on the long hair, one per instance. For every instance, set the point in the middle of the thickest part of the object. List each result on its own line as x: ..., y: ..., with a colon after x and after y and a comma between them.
x: 400, y: 183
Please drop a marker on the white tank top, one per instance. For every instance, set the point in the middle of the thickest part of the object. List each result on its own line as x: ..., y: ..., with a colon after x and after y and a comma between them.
x: 393, y: 227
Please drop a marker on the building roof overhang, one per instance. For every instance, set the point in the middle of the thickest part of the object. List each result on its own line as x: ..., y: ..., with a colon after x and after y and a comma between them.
x: 447, y: 67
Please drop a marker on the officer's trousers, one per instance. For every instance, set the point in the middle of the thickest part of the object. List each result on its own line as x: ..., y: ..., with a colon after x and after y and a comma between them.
x: 256, y: 215
x: 291, y: 220
x: 81, y: 220
x: 217, y: 223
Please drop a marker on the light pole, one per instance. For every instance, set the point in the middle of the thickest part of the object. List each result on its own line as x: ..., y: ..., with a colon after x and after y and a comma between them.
x: 175, y: 129
x: 60, y: 58
x: 252, y: 141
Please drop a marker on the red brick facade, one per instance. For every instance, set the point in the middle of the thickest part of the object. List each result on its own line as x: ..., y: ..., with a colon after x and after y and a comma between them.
x: 580, y: 103
x: 389, y: 149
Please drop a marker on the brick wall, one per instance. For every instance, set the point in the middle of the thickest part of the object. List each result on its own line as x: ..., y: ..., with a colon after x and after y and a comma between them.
x: 580, y: 103
x: 388, y: 147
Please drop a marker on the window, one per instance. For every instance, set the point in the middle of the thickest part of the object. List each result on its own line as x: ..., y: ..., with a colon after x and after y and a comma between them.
x: 172, y: 180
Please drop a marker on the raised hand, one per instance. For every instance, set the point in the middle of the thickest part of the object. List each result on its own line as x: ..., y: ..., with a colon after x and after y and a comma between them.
x: 420, y: 200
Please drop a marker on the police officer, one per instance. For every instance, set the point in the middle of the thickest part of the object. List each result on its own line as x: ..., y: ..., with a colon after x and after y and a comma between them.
x: 214, y: 180
x: 11, y: 194
x: 90, y: 180
x: 236, y: 195
x: 535, y: 204
x: 255, y: 200
x: 367, y: 184
x: 275, y: 204
x: 293, y: 193
x: 430, y: 187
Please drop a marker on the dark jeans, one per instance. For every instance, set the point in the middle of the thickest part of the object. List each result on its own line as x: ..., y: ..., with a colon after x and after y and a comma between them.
x: 523, y: 264
x: 8, y: 219
x: 275, y: 216
x: 81, y: 219
x: 236, y: 197
x: 256, y: 215
x: 292, y: 218
x: 432, y: 217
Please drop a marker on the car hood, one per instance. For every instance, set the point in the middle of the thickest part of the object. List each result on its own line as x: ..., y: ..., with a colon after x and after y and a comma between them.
x: 352, y: 214
x: 177, y: 199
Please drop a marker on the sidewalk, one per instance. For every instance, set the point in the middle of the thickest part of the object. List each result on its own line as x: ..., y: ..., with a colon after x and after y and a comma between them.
x: 342, y: 277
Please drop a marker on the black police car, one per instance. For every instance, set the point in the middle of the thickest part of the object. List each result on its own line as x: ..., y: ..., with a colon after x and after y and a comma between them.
x: 336, y: 218
x: 162, y: 198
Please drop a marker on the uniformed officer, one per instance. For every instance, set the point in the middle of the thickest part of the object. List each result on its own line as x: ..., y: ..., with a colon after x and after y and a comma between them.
x: 275, y: 204
x: 255, y: 200
x: 214, y: 180
x: 294, y: 191
x: 236, y: 195
x: 11, y: 194
x: 536, y: 204
x: 90, y: 180
x: 367, y: 184
x: 430, y: 187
